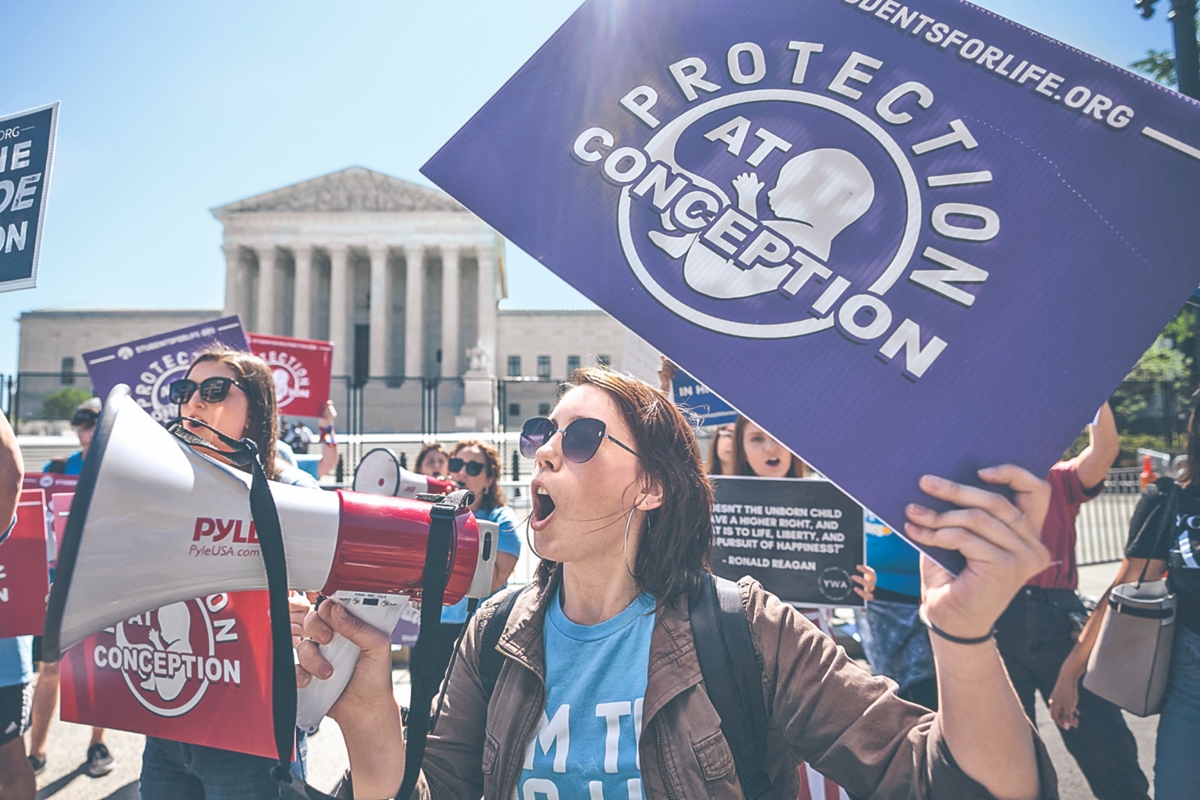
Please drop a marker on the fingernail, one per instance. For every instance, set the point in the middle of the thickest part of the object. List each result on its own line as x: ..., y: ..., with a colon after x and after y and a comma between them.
x: 932, y: 481
x: 920, y: 511
x: 987, y: 472
x: 325, y: 671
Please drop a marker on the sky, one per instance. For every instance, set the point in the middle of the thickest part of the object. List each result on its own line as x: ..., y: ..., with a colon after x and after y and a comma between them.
x: 170, y: 109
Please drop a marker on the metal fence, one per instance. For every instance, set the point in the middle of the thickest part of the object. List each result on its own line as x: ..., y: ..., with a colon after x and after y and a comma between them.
x: 405, y: 413
x: 1103, y: 523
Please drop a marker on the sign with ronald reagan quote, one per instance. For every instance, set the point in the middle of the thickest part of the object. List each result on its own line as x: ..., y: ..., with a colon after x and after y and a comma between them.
x: 913, y: 228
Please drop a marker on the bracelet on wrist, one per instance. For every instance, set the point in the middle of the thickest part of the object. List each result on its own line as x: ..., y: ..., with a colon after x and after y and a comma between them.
x: 989, y: 636
x: 327, y: 435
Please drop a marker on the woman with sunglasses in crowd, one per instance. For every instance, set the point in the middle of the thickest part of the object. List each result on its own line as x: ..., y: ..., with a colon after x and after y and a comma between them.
x: 600, y: 693
x: 472, y: 465
x: 232, y: 392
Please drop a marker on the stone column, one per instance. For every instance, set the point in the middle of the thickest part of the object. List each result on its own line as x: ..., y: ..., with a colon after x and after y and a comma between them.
x: 486, y: 307
x: 302, y: 299
x: 339, y: 255
x: 414, y: 310
x: 233, y: 279
x: 450, y: 310
x: 265, y: 316
x: 380, y: 300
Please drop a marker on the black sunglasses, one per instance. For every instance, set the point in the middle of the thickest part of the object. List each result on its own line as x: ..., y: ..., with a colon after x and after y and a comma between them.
x: 212, y: 390
x: 581, y: 439
x: 474, y: 468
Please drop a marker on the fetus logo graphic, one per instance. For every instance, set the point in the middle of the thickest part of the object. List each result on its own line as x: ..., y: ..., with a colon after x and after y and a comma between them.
x: 761, y: 206
x: 778, y: 213
x: 171, y: 656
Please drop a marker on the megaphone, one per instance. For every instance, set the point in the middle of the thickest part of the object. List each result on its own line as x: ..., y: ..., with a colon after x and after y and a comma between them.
x: 155, y: 522
x: 379, y: 472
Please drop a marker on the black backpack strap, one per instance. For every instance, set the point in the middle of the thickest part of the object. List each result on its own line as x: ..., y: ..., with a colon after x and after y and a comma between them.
x: 491, y: 659
x: 732, y: 678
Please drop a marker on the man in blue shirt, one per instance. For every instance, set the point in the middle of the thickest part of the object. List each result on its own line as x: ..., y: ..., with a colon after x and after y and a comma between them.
x: 16, y: 668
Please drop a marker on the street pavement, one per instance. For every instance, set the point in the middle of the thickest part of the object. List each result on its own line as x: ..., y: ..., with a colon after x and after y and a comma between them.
x: 64, y: 778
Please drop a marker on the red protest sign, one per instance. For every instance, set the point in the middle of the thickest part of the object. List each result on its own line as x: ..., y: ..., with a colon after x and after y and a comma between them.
x: 302, y: 370
x: 53, y: 484
x: 183, y: 672
x: 24, y: 581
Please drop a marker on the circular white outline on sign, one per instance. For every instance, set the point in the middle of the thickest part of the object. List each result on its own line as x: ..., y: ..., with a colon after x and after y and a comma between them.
x: 779, y: 330
x: 190, y: 704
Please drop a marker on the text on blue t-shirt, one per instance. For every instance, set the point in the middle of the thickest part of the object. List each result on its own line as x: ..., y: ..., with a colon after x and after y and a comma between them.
x: 587, y: 743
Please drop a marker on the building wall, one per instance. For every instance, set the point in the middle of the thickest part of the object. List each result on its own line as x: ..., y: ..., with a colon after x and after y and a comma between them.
x: 49, y: 337
x: 557, y: 335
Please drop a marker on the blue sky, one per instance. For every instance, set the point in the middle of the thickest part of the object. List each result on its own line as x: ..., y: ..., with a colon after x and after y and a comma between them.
x: 169, y: 109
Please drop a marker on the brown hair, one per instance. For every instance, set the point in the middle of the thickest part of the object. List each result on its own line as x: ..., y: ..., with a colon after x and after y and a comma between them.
x: 494, y: 495
x: 674, y: 546
x: 798, y: 469
x: 433, y: 447
x: 714, y: 461
x: 262, y: 425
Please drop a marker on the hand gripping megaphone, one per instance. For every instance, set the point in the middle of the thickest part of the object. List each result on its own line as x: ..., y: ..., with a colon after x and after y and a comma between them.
x: 155, y: 522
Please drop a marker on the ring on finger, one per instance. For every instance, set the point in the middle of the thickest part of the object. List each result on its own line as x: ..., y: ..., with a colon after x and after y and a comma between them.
x: 1020, y: 518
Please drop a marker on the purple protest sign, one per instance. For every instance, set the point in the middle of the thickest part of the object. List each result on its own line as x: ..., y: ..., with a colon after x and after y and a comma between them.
x: 149, y: 365
x: 919, y: 230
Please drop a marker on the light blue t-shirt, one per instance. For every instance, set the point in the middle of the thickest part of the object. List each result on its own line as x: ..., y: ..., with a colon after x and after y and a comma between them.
x: 508, y: 542
x: 587, y: 743
x: 16, y: 661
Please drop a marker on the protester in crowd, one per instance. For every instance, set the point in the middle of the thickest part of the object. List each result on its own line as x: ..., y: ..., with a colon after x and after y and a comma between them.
x: 99, y: 760
x: 473, y: 465
x: 759, y: 454
x: 17, y: 781
x: 297, y: 438
x: 622, y: 522
x: 1164, y: 537
x: 233, y: 392
x: 432, y: 461
x: 898, y: 643
x: 1037, y: 631
x: 722, y: 455
x: 756, y: 452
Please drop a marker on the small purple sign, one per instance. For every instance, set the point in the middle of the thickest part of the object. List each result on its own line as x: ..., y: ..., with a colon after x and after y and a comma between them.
x: 873, y: 227
x: 149, y: 365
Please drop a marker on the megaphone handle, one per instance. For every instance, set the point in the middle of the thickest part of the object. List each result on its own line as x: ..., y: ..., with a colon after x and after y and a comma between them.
x: 315, y: 700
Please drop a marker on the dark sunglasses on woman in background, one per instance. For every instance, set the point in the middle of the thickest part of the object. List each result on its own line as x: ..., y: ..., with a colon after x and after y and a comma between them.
x: 474, y: 468
x: 581, y: 439
x: 212, y: 390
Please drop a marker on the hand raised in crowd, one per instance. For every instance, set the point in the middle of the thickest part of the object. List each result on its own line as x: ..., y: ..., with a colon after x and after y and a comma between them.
x: 865, y: 581
x: 1000, y: 541
x: 666, y: 373
x: 328, y: 414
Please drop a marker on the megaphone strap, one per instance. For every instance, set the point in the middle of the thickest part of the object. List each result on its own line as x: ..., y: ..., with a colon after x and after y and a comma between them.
x: 244, y: 453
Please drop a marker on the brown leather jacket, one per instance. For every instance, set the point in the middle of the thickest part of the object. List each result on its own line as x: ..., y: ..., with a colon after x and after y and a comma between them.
x: 822, y: 709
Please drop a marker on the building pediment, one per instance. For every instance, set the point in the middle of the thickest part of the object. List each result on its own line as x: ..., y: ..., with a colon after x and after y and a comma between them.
x: 355, y: 189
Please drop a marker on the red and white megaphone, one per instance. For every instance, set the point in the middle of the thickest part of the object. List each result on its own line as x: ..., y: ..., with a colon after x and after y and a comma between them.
x: 379, y: 472
x: 155, y: 522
